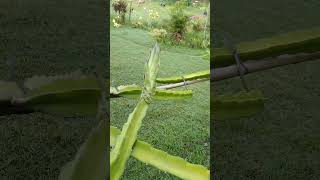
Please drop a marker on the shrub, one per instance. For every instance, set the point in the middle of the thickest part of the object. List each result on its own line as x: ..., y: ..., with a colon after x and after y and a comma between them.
x: 153, y: 16
x: 159, y: 34
x: 196, y: 3
x: 137, y: 24
x: 179, y: 19
x: 188, y: 2
x: 115, y: 22
x: 120, y: 7
x: 197, y: 23
x: 205, y: 43
x: 195, y: 40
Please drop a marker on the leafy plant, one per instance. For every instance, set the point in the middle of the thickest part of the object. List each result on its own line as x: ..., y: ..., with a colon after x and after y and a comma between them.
x: 91, y: 160
x: 178, y: 20
x: 188, y: 2
x: 241, y: 104
x: 120, y: 7
x: 137, y: 24
x: 153, y: 16
x: 302, y: 41
x: 194, y: 40
x: 192, y: 76
x: 159, y: 34
x: 144, y: 152
x: 116, y: 22
x: 55, y: 95
x: 197, y: 23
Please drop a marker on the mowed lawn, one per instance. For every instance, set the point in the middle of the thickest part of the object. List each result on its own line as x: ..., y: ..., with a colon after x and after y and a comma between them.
x: 180, y: 128
x: 282, y: 142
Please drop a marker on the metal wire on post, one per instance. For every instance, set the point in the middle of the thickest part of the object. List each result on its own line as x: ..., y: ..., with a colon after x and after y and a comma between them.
x: 242, y: 70
x: 184, y: 83
x: 146, y: 96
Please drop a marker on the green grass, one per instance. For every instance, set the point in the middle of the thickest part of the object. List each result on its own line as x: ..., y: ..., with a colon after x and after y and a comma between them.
x: 46, y: 38
x: 282, y: 142
x: 180, y: 128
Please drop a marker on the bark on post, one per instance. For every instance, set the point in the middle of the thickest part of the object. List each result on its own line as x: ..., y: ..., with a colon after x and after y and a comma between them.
x: 260, y: 65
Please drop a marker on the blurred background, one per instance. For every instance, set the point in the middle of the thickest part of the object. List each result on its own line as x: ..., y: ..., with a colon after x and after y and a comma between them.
x: 282, y: 142
x: 47, y: 38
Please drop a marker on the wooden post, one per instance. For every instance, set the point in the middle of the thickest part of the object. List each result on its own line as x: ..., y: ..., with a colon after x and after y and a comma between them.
x: 130, y: 10
x: 260, y: 65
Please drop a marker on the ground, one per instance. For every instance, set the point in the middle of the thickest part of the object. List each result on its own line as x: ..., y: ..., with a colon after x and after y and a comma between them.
x: 180, y: 128
x: 282, y: 142
x: 46, y: 38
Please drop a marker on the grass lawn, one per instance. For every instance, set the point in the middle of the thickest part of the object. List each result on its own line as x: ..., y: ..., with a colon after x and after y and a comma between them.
x: 46, y: 38
x: 282, y: 142
x: 180, y: 128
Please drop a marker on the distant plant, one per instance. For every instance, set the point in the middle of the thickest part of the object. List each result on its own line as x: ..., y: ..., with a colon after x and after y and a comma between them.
x: 193, y: 40
x: 120, y: 7
x: 116, y: 22
x: 130, y: 10
x: 159, y: 34
x: 178, y: 21
x: 188, y: 2
x: 137, y: 24
x: 163, y: 3
x: 196, y: 3
x: 205, y: 43
x: 141, y: 2
x: 197, y: 23
x: 153, y: 16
